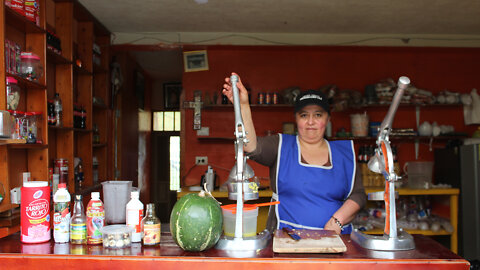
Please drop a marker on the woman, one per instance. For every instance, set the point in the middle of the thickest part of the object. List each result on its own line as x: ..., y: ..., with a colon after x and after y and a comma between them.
x: 316, y: 181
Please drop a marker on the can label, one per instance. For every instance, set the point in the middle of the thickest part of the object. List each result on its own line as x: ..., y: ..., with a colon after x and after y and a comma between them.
x: 35, y: 214
x: 61, y: 167
x: 151, y: 234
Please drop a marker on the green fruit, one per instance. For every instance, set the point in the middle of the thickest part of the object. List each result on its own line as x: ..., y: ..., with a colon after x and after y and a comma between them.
x: 196, y: 222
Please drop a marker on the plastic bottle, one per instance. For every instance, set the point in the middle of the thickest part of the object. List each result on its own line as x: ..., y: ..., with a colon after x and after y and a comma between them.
x: 134, y: 216
x: 58, y: 109
x: 78, y: 227
x: 95, y: 219
x: 61, y: 217
x: 151, y: 227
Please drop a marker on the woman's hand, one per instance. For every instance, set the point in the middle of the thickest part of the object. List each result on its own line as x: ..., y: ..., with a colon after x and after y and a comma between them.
x: 242, y: 91
x: 331, y: 225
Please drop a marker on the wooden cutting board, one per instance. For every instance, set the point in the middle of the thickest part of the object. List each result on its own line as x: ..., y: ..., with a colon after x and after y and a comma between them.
x: 313, y: 241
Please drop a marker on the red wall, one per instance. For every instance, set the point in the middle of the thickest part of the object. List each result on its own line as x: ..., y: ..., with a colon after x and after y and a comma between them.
x: 273, y: 68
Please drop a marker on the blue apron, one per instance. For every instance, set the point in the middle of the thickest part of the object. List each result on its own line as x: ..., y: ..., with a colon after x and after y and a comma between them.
x: 309, y: 194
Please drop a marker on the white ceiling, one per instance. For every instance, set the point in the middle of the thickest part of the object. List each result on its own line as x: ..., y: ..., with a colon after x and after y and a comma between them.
x: 271, y: 21
x: 285, y: 22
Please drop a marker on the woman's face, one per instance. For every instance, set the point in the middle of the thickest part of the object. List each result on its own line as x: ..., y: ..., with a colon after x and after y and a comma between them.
x: 311, y: 122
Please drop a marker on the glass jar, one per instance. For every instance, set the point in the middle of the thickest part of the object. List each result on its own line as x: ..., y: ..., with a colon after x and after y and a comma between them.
x: 31, y: 66
x: 13, y: 94
x: 17, y: 124
x: 33, y: 120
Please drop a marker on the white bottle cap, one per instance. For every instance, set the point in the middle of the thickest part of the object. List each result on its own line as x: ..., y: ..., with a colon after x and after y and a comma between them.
x: 134, y: 195
x: 95, y: 195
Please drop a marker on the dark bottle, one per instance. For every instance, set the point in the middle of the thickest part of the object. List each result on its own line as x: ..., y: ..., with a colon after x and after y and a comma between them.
x: 83, y: 118
x: 224, y: 99
x: 78, y: 174
x: 51, y: 113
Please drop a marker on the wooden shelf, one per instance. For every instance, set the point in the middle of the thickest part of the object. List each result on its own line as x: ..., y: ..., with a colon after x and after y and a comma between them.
x: 12, y: 141
x: 24, y: 83
x: 99, y: 145
x: 36, y: 146
x: 224, y: 194
x: 408, y: 191
x: 366, y: 106
x: 404, y: 138
x: 360, y: 139
x: 20, y: 22
x: 57, y: 58
x: 81, y: 70
x: 82, y: 130
x: 61, y: 128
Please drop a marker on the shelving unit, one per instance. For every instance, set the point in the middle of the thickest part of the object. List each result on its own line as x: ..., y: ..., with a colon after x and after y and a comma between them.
x: 78, y: 30
x: 452, y: 193
x: 16, y: 156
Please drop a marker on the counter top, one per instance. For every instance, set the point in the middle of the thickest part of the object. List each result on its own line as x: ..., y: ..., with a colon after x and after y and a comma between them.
x: 16, y: 255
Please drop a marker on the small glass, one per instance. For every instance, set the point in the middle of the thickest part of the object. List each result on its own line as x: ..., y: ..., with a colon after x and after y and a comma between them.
x: 33, y: 122
x: 17, y: 124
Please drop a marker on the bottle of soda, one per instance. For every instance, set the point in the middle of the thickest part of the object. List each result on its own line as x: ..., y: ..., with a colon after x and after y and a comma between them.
x: 95, y: 219
x: 78, y: 226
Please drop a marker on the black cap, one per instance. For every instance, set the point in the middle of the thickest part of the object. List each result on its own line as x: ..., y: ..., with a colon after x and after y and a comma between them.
x: 311, y: 97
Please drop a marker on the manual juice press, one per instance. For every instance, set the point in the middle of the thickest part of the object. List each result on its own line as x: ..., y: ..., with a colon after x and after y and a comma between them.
x: 241, y: 189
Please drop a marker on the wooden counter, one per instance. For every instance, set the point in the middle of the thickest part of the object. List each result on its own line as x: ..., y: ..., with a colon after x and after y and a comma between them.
x: 16, y: 255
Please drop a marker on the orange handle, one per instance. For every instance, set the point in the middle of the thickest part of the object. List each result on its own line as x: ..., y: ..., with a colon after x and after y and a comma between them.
x: 266, y: 203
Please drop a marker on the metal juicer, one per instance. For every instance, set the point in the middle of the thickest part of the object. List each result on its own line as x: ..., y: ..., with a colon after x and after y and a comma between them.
x: 382, y: 162
x: 241, y: 189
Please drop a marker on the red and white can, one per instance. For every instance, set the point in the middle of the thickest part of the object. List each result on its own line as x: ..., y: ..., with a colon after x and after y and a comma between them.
x: 35, y: 212
x: 61, y: 168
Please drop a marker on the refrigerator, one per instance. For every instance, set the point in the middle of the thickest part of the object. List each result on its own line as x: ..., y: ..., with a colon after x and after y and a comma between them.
x: 469, y: 201
x: 459, y: 166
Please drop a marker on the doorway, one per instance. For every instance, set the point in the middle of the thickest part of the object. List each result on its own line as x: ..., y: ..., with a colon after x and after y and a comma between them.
x: 162, y: 194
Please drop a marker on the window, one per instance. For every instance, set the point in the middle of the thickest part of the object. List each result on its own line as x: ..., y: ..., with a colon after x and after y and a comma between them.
x: 166, y: 121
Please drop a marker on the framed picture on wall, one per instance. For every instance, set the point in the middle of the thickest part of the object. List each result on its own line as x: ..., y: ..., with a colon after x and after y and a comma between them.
x: 171, y: 95
x: 195, y: 61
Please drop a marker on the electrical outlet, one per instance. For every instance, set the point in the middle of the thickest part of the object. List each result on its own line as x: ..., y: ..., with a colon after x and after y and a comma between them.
x: 201, y: 160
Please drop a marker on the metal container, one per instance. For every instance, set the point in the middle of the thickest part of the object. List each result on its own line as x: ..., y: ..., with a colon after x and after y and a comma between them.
x: 250, y: 190
x: 5, y: 124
